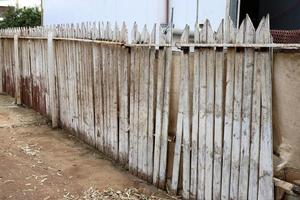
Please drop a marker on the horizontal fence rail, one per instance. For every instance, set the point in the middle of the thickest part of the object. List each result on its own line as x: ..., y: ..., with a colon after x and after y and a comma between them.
x: 124, y: 98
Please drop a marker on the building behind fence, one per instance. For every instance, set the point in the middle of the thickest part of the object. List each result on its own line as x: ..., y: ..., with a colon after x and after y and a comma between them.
x: 116, y: 96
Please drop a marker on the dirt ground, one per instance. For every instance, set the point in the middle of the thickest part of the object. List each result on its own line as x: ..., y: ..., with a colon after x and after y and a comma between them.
x: 37, y: 162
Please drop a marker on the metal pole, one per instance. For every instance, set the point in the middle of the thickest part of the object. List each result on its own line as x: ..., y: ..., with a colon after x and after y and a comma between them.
x: 17, y: 4
x: 197, y: 12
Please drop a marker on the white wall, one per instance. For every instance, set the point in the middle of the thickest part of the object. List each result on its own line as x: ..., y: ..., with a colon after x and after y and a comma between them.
x: 185, y: 12
x: 142, y: 11
x: 72, y: 11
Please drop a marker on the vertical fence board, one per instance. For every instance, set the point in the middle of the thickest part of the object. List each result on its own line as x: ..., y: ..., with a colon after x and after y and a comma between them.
x: 159, y: 110
x: 246, y: 109
x: 237, y: 104
x: 186, y: 117
x: 209, y: 143
x: 218, y: 115
x: 165, y: 112
x: 195, y: 117
x: 52, y: 82
x: 266, y: 189
x: 124, y: 101
x: 255, y: 122
x: 151, y: 105
x: 228, y: 112
x: 17, y: 71
x: 202, y: 116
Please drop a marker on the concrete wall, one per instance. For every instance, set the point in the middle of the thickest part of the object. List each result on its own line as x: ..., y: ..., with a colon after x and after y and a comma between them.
x: 286, y: 108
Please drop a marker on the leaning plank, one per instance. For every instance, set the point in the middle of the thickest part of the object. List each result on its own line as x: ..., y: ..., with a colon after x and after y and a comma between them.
x: 195, y: 117
x: 255, y: 124
x: 228, y: 118
x: 237, y: 106
x: 219, y: 113
x: 209, y: 143
x: 265, y: 190
x: 165, y: 114
x: 246, y: 109
x: 182, y: 130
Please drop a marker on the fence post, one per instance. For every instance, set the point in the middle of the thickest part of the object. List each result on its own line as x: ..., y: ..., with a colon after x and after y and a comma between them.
x: 17, y: 71
x: 52, y: 82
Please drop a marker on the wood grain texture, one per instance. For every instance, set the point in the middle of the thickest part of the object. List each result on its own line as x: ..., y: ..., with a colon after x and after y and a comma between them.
x: 237, y: 106
x: 228, y: 113
x: 249, y: 37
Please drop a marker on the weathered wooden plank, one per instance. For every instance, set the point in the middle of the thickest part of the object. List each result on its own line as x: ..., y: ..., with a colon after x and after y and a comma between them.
x: 165, y: 112
x: 209, y: 143
x: 195, y: 116
x: 218, y: 115
x: 159, y: 110
x: 202, y: 116
x: 145, y: 66
x: 255, y: 123
x: 266, y: 189
x: 183, y: 130
x: 237, y: 104
x: 114, y: 90
x: 124, y: 104
x: 228, y: 118
x: 151, y: 105
x: 17, y: 71
x: 131, y: 106
x: 98, y: 96
x: 52, y: 83
x: 134, y: 115
x: 186, y: 157
x: 249, y: 37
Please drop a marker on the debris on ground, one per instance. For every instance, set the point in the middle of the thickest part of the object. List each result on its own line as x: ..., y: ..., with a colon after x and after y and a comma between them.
x: 111, y: 194
x: 29, y: 151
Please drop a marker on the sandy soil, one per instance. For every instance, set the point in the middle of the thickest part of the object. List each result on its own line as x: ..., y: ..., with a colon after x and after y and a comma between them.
x: 37, y: 162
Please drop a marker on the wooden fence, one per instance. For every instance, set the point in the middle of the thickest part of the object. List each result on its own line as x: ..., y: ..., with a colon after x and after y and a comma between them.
x: 115, y: 96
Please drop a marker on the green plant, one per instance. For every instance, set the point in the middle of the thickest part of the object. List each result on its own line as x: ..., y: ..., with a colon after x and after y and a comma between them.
x: 23, y: 17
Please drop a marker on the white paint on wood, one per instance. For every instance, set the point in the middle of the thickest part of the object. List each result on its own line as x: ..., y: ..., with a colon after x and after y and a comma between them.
x: 17, y: 71
x: 266, y: 189
x: 210, y: 110
x: 195, y: 117
x: 249, y: 37
x: 237, y: 106
x: 255, y: 122
x: 228, y: 112
x: 218, y: 115
x: 52, y: 82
